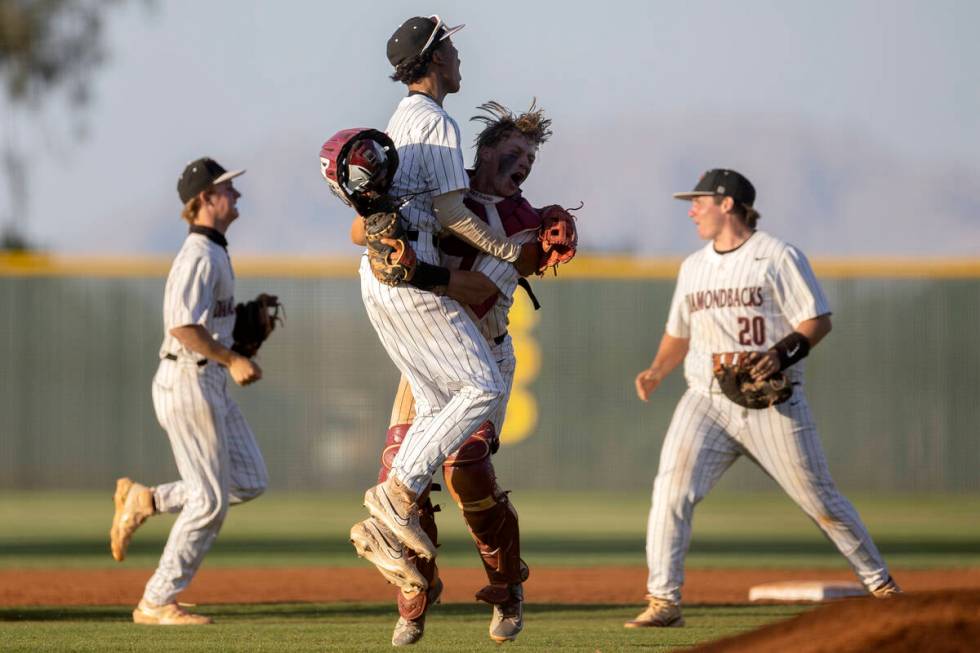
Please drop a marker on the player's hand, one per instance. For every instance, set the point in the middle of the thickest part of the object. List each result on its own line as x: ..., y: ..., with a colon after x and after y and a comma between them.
x: 765, y: 366
x: 243, y: 371
x: 646, y: 382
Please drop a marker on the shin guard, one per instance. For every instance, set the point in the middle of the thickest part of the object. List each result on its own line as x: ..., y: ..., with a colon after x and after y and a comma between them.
x: 489, y: 515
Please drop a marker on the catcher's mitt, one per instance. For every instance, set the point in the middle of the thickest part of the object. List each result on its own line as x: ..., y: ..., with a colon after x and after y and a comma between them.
x: 392, y: 258
x: 732, y: 370
x: 254, y: 321
x: 558, y: 237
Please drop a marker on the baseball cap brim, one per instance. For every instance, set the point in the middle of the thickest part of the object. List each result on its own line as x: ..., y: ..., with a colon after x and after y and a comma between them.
x: 691, y: 194
x: 231, y: 174
x: 450, y: 31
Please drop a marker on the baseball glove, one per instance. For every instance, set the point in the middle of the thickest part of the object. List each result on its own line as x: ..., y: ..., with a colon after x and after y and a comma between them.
x: 392, y: 258
x: 733, y: 372
x: 558, y: 237
x: 254, y: 321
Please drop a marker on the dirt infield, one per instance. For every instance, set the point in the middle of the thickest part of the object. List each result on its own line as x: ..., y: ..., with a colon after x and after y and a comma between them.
x: 612, y: 585
x: 921, y: 623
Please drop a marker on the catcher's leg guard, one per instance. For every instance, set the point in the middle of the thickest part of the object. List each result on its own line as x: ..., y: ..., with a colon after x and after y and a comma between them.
x: 489, y: 515
x: 414, y: 606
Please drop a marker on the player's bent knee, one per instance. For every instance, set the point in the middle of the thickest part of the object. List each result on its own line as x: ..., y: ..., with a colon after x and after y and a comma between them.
x: 487, y: 397
x: 208, y: 507
x: 241, y: 495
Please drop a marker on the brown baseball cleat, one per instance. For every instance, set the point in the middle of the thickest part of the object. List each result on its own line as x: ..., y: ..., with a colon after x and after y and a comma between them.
x: 507, y: 621
x: 410, y: 631
x: 170, y: 614
x: 395, y: 506
x: 134, y: 503
x: 886, y: 590
x: 660, y: 613
x: 375, y: 542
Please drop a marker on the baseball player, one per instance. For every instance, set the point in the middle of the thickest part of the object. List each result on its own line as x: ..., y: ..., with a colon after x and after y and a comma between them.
x: 216, y: 454
x: 745, y: 295
x: 435, y: 344
x: 506, y: 150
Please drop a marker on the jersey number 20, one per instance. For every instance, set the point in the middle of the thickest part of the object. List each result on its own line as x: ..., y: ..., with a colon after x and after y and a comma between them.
x: 751, y: 332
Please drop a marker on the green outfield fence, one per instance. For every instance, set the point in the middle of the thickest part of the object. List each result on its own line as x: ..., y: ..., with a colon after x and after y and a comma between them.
x: 895, y: 388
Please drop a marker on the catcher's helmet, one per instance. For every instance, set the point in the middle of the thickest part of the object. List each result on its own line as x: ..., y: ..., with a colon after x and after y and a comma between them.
x: 358, y: 163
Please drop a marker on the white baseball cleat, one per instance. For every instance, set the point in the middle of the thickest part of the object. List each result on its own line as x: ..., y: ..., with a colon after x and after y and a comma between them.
x: 660, y: 613
x: 170, y: 614
x: 134, y: 503
x: 507, y: 621
x: 378, y: 545
x: 395, y: 506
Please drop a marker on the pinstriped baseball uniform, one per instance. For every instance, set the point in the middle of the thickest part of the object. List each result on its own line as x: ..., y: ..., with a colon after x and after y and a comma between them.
x: 747, y: 299
x: 431, y: 339
x: 216, y: 454
x: 519, y: 222
x: 491, y: 318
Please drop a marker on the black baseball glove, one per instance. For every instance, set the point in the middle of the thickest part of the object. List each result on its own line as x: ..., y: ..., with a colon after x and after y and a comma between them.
x: 254, y: 321
x: 733, y: 373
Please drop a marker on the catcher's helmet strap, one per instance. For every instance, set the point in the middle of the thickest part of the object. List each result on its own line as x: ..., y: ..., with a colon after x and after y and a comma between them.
x: 526, y: 285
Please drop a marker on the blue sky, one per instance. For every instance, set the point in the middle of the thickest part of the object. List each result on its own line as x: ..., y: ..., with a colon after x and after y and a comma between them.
x: 859, y: 122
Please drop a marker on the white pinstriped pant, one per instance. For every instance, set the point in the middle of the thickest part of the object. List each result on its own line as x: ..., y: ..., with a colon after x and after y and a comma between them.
x: 454, y: 377
x: 706, y: 435
x: 503, y: 354
x: 219, y: 464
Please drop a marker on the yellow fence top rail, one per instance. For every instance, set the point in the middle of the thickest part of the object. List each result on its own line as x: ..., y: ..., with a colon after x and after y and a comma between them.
x: 584, y: 267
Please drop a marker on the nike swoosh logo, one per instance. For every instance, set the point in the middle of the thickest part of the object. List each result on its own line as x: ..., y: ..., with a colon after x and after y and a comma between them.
x: 394, y: 550
x: 792, y: 352
x: 394, y: 511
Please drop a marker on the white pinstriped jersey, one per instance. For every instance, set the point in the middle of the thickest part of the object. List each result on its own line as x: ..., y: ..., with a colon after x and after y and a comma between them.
x: 430, y: 160
x: 744, y: 300
x: 504, y: 275
x: 200, y: 290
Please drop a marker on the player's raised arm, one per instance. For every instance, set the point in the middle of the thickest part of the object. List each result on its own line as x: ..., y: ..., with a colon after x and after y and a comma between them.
x: 670, y: 354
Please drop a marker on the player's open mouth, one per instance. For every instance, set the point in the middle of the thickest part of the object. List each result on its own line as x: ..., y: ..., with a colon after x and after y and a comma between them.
x: 518, y: 178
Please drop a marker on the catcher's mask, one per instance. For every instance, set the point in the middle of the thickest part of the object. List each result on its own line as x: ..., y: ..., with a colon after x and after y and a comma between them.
x: 359, y: 164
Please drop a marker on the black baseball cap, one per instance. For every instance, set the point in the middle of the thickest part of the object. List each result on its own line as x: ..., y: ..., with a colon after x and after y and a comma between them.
x: 722, y: 182
x: 415, y: 36
x: 200, y: 175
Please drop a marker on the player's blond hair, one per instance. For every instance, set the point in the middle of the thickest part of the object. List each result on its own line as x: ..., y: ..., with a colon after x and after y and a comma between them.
x: 193, y: 205
x: 499, y: 122
x: 191, y: 209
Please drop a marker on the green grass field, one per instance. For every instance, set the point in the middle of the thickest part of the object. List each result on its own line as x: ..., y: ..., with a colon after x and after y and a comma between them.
x: 59, y: 530
x: 730, y: 530
x: 347, y: 627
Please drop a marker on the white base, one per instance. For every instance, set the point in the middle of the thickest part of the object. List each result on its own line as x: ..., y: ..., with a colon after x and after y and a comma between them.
x: 806, y: 590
